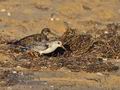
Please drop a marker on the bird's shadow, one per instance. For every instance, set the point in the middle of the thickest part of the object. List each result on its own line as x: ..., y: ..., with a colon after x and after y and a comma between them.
x: 59, y: 51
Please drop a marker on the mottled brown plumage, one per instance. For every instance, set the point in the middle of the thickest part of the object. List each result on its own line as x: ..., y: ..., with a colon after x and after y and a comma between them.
x: 34, y: 39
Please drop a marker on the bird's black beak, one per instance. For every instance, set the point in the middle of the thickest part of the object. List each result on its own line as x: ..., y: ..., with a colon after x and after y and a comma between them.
x: 63, y: 47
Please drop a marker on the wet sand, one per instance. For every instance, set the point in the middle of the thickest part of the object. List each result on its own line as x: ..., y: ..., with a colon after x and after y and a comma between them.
x: 19, y: 18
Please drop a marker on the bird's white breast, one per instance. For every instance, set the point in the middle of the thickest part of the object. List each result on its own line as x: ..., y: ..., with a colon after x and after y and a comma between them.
x: 49, y: 50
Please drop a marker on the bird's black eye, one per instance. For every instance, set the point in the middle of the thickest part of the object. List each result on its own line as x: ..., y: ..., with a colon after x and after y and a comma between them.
x: 46, y: 30
x: 58, y: 42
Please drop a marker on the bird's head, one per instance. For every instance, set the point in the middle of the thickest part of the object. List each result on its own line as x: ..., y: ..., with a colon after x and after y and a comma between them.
x: 52, y: 46
x: 47, y: 31
x: 58, y: 44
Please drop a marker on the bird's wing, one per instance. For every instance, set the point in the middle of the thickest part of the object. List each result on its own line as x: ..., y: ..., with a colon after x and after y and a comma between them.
x: 27, y: 39
x: 40, y: 47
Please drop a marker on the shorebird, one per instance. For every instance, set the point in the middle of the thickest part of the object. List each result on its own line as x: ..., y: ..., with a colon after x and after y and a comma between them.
x: 35, y: 38
x: 47, y: 47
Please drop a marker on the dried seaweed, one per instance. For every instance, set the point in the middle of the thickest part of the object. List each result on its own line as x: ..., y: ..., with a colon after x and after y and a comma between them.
x: 83, y: 52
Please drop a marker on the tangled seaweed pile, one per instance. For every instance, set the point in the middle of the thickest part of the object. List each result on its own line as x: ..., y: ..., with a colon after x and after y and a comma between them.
x: 93, y: 54
x: 83, y: 52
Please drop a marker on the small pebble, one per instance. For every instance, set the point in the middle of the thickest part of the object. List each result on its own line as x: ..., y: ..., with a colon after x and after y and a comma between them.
x: 106, y: 32
x: 18, y: 67
x: 100, y: 74
x: 3, y: 10
x: 51, y: 86
x: 43, y: 67
x: 105, y: 59
x: 52, y: 19
x: 9, y: 14
x: 14, y: 72
x: 118, y: 60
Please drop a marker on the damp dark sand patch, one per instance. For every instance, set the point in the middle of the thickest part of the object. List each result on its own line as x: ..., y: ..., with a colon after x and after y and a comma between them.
x: 10, y: 77
x: 83, y: 52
